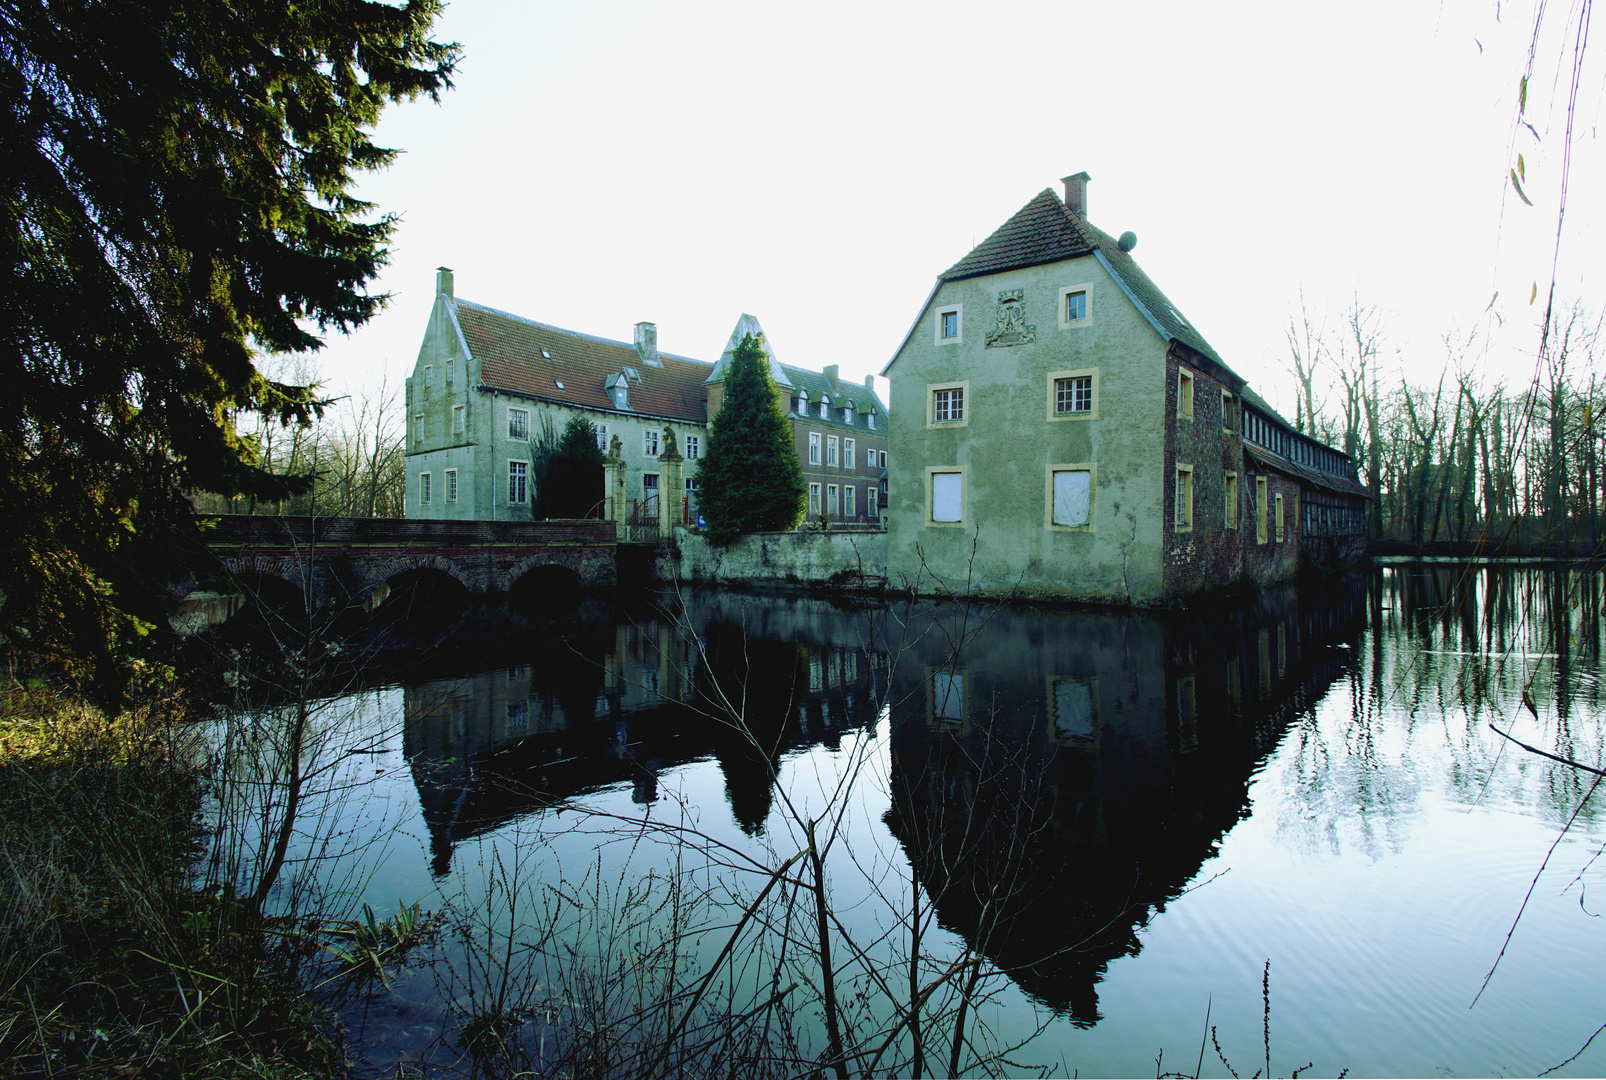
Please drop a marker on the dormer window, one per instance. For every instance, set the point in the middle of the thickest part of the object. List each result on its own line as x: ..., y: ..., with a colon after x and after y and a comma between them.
x: 825, y: 407
x: 619, y: 390
x: 847, y: 413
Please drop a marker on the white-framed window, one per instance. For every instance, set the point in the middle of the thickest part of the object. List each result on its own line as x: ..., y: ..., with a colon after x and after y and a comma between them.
x: 1231, y: 517
x: 418, y: 430
x: 814, y: 500
x: 869, y: 421
x: 847, y: 453
x: 849, y: 510
x: 1276, y: 517
x: 830, y: 500
x: 649, y: 490
x: 1184, y: 498
x: 429, y: 378
x: 1071, y: 495
x: 951, y: 324
x: 831, y: 457
x: 459, y: 419
x: 602, y: 437
x: 825, y: 409
x: 518, y: 424
x: 1184, y: 396
x: 945, y: 495
x: 449, y: 363
x: 1260, y: 509
x: 1076, y: 305
x: 693, y: 446
x: 847, y: 414
x: 814, y: 448
x: 518, y: 482
x: 883, y: 459
x: 649, y: 442
x: 423, y: 488
x: 451, y: 485
x: 1073, y: 394
x: 946, y: 404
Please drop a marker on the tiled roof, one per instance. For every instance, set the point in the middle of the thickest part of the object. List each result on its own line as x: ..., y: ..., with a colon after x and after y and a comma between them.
x: 1270, y: 459
x: 861, y: 397
x: 1045, y: 230
x: 522, y: 356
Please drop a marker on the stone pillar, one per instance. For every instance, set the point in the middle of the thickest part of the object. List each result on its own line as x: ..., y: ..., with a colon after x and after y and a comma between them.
x: 613, y: 484
x: 671, y: 486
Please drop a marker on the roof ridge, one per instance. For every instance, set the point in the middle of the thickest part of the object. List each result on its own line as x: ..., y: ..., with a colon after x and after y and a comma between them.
x: 573, y: 333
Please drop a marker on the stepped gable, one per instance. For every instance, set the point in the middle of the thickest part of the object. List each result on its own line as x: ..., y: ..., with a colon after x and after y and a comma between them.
x: 510, y: 350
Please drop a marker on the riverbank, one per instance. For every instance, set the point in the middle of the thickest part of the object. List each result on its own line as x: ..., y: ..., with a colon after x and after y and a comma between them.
x: 114, y: 959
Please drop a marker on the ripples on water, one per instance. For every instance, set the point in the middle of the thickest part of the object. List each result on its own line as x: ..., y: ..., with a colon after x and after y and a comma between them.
x: 1124, y: 816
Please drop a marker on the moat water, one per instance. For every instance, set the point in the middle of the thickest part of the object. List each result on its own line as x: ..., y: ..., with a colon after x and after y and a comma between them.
x: 1114, y: 820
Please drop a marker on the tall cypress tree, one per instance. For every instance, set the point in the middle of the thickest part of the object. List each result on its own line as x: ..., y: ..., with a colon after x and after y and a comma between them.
x: 175, y: 200
x: 750, y: 479
x: 570, y: 484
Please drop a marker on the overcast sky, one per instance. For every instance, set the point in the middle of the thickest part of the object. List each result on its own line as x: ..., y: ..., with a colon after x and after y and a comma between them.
x: 819, y: 164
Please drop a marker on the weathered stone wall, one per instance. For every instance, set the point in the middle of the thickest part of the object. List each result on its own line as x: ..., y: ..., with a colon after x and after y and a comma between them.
x: 809, y: 558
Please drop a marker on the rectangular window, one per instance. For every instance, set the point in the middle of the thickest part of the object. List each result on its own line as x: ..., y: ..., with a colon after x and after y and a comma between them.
x: 1073, y: 497
x: 883, y: 459
x: 451, y: 485
x: 602, y: 437
x: 825, y: 407
x: 1075, y: 710
x: 423, y: 488
x: 814, y: 448
x: 1229, y: 412
x: 459, y: 420
x: 848, y: 508
x: 1184, y: 497
x: 1260, y: 509
x: 869, y: 421
x: 1075, y: 306
x: 814, y: 500
x: 649, y: 491
x: 1184, y: 396
x: 518, y: 423
x: 649, y: 442
x: 830, y: 500
x: 1073, y: 395
x: 1232, y: 501
x: 947, y: 406
x: 831, y: 450
x: 847, y: 453
x: 449, y: 372
x: 693, y: 446
x: 518, y: 482
x: 429, y: 377
x: 418, y: 430
x: 1277, y: 518
x: 948, y: 695
x: 947, y: 497
x: 950, y: 324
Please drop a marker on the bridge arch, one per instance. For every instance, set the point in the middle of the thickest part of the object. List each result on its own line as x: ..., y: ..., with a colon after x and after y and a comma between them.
x: 545, y: 584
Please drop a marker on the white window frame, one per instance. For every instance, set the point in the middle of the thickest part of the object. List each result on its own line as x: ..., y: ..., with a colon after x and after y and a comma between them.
x: 693, y: 447
x: 1086, y: 289
x: 429, y: 377
x: 418, y: 431
x: 933, y: 389
x: 525, y: 414
x: 814, y: 500
x: 1182, y: 491
x: 449, y: 363
x: 848, y: 448
x: 870, y: 420
x: 651, y: 442
x: 849, y: 500
x: 1092, y: 471
x: 814, y: 448
x: 832, y: 506
x: 958, y: 312
x: 1073, y: 373
x: 451, y: 485
x: 425, y: 482
x: 602, y: 437
x: 518, y: 470
x: 932, y: 472
x: 832, y: 451
x: 459, y: 419
x: 825, y: 408
x: 654, y: 488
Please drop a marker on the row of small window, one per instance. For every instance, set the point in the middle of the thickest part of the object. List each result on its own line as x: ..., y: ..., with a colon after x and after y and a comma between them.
x: 1073, y: 704
x: 1072, y: 395
x: 429, y: 376
x: 1182, y: 517
x: 426, y: 484
x: 846, y: 461
x: 518, y: 429
x: 1074, y: 309
x: 848, y: 507
x: 1069, y: 496
x: 800, y: 407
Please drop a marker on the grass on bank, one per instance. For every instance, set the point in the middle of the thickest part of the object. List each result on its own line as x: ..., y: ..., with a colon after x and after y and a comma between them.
x: 113, y: 960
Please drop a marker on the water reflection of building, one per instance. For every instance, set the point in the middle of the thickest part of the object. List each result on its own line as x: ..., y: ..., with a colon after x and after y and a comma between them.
x: 1067, y: 774
x: 609, y: 703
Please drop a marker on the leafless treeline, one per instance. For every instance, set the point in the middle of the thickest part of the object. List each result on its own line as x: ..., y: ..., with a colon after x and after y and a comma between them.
x: 1452, y: 454
x: 356, y: 452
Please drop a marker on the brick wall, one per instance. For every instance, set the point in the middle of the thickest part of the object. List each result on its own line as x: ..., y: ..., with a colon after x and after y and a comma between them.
x: 1208, y: 555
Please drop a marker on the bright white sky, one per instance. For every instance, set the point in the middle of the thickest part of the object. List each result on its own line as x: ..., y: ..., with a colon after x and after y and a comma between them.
x: 818, y: 165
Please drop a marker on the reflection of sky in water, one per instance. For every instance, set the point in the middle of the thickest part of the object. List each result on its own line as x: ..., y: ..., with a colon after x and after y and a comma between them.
x: 1384, y: 848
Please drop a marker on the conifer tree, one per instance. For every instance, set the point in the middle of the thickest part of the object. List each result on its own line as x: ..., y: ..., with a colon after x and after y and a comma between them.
x: 175, y: 201
x: 570, y: 484
x: 750, y: 479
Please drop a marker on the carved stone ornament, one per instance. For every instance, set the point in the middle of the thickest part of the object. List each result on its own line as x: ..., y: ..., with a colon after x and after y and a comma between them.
x: 671, y: 451
x: 616, y: 448
x: 1012, y: 328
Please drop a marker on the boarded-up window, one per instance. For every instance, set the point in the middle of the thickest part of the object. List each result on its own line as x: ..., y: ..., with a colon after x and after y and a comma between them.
x: 947, y: 496
x: 1073, y: 493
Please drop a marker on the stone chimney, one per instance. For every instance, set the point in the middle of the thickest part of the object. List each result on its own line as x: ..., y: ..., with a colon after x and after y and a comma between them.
x: 443, y: 281
x: 647, y: 344
x: 1076, y: 192
x: 869, y: 382
x: 831, y: 377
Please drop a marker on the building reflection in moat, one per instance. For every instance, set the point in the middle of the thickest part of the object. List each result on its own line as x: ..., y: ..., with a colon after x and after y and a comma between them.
x: 1067, y: 775
x: 604, y: 702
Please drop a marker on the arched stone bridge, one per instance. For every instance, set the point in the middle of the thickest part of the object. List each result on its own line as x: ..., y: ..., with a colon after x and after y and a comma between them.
x: 351, y: 560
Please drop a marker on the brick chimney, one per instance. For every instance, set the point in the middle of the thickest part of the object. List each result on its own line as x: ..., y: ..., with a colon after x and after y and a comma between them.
x: 831, y: 377
x: 443, y: 281
x: 1076, y: 192
x: 647, y: 344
